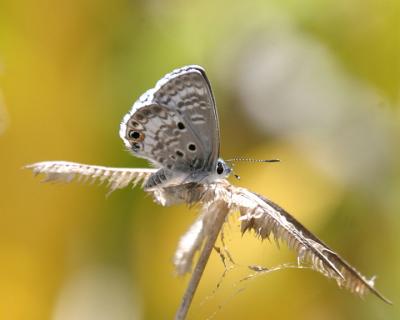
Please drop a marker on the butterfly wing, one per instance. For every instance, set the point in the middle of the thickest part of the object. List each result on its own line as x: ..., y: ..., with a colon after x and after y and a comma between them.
x: 175, y: 124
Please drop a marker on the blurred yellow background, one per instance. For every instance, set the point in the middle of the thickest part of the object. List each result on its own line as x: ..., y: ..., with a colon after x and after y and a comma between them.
x: 314, y: 83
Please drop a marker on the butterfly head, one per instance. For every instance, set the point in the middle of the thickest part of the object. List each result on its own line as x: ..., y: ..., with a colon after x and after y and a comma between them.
x: 222, y: 169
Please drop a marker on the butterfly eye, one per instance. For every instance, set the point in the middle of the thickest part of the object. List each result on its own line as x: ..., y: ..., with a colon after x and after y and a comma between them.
x: 220, y: 168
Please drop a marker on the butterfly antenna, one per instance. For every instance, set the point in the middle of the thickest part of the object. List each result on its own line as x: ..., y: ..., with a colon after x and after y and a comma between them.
x: 253, y: 160
x: 249, y: 160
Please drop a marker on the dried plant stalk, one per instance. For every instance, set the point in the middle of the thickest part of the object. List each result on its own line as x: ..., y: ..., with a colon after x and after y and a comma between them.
x: 218, y: 199
x: 266, y: 218
x: 217, y: 212
x: 64, y: 171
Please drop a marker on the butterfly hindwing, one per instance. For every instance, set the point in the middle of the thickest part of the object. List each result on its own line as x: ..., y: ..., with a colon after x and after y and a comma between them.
x: 159, y: 134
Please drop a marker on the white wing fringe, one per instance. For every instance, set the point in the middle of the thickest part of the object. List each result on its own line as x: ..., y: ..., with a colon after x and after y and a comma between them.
x: 258, y: 214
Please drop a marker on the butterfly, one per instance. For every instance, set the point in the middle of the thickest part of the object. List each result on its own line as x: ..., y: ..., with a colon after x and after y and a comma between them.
x: 175, y: 126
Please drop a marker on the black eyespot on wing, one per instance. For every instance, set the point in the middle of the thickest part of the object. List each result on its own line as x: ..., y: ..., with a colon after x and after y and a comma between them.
x: 181, y: 126
x: 134, y: 134
x: 179, y: 153
x: 192, y: 147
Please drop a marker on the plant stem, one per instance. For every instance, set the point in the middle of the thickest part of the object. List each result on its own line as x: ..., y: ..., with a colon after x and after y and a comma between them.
x: 219, y: 219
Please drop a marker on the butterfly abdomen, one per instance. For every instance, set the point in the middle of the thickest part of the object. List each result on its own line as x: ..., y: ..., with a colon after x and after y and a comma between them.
x: 157, y: 179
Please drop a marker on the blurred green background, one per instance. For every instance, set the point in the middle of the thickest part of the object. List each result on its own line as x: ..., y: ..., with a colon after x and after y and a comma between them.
x: 314, y: 83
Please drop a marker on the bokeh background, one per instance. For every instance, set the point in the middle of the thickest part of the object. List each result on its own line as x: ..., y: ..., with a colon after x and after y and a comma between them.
x: 314, y: 83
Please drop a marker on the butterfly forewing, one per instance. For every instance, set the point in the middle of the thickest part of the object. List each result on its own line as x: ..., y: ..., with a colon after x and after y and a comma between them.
x: 189, y: 93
